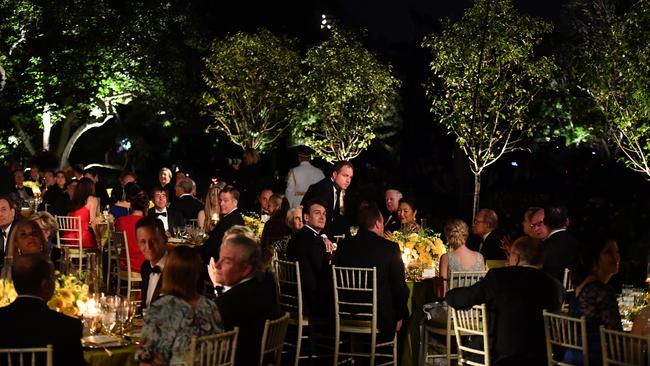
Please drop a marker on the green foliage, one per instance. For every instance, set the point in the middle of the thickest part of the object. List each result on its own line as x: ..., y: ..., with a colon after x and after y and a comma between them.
x: 612, y: 65
x: 486, y: 75
x: 252, y: 81
x: 348, y: 94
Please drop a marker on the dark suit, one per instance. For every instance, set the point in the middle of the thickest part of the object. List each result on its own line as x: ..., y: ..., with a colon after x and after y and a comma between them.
x: 491, y: 247
x: 174, y: 218
x: 56, y: 199
x: 28, y: 322
x: 560, y: 252
x: 367, y: 250
x: 515, y: 298
x: 213, y: 243
x: 3, y: 251
x: 391, y: 222
x: 247, y: 306
x: 188, y: 206
x: 308, y: 249
x: 145, y: 271
x: 323, y: 190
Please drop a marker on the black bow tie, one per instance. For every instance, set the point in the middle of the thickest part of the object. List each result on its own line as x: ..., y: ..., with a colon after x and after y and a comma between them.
x: 161, y: 214
x: 155, y: 269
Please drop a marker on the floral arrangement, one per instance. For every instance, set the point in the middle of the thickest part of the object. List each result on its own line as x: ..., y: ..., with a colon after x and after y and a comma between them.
x: 419, y: 251
x: 70, y: 295
x: 253, y: 222
x: 7, y: 292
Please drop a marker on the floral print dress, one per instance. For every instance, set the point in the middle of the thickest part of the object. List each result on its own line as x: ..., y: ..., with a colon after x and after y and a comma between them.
x: 169, y: 326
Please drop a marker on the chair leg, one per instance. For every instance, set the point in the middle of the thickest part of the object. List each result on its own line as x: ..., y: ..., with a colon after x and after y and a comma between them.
x: 298, y: 344
x: 337, y: 339
x: 448, y: 345
x: 373, y: 348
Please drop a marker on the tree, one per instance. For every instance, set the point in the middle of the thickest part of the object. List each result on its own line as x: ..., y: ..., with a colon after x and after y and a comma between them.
x: 252, y: 82
x: 611, y: 64
x: 486, y: 75
x: 347, y: 95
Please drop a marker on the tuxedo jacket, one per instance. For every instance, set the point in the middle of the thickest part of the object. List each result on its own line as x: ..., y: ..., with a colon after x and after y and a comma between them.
x: 368, y: 250
x: 391, y: 222
x: 174, y: 218
x: 515, y: 298
x: 323, y: 190
x: 213, y: 243
x: 308, y: 249
x: 491, y: 248
x: 145, y: 271
x: 560, y: 252
x: 28, y: 322
x: 247, y: 306
x: 188, y: 206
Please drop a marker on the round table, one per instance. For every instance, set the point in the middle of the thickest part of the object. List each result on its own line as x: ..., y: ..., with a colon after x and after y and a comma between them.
x: 118, y: 356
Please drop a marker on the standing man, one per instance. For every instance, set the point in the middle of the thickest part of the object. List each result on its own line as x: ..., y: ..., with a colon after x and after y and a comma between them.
x: 560, y: 247
x: 313, y: 252
x: 486, y: 226
x: 165, y: 180
x: 301, y: 177
x: 152, y: 242
x: 515, y: 297
x: 169, y: 217
x: 332, y: 192
x: 391, y: 222
x: 8, y: 218
x: 369, y: 249
x: 186, y: 203
x: 229, y: 217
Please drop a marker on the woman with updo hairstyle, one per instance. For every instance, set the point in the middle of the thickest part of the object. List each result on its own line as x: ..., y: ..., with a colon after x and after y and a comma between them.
x: 84, y: 205
x: 139, y: 203
x: 406, y: 213
x: 460, y: 258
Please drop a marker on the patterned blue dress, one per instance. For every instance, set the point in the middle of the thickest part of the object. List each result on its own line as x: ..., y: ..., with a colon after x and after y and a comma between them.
x: 169, y: 326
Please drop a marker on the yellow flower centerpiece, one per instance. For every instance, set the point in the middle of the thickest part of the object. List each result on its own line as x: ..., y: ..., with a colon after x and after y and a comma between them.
x: 7, y: 292
x: 253, y: 222
x: 421, y: 250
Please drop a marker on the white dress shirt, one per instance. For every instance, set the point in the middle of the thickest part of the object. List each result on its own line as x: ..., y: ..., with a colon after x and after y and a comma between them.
x: 154, y: 278
x: 164, y: 219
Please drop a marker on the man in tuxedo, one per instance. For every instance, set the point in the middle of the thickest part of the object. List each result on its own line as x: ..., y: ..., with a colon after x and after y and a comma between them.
x: 538, y: 228
x: 186, y: 204
x: 370, y: 249
x: 486, y: 227
x: 263, y: 200
x: 313, y: 251
x: 229, y: 217
x: 248, y: 300
x: 28, y: 322
x: 515, y: 297
x: 332, y: 191
x: 560, y: 247
x: 169, y: 217
x: 24, y: 193
x: 391, y: 222
x: 8, y: 219
x: 152, y: 242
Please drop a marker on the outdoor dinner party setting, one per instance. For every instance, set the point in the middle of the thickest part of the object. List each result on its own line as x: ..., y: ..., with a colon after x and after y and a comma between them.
x: 203, y: 183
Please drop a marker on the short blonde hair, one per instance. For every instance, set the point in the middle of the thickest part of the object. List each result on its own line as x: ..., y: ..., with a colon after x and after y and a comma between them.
x: 456, y: 232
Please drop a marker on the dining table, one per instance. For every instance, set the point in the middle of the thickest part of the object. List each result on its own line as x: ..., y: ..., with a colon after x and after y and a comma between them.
x: 113, y: 356
x: 420, y: 293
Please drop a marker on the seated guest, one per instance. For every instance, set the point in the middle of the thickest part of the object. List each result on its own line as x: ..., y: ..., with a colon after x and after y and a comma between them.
x: 24, y: 193
x: 527, y: 223
x: 248, y: 300
x: 407, y: 212
x: 275, y: 228
x: 294, y: 219
x: 84, y: 205
x: 118, y: 193
x: 539, y: 229
x: 152, y: 242
x: 122, y: 205
x: 186, y: 203
x: 369, y: 249
x: 54, y: 196
x: 263, y: 200
x: 515, y: 297
x: 182, y: 313
x: 230, y: 216
x: 28, y: 322
x: 560, y: 247
x: 275, y: 203
x: 100, y: 190
x: 460, y: 258
x: 8, y: 221
x: 165, y: 181
x: 49, y: 227
x: 139, y: 203
x: 391, y: 222
x: 486, y: 227
x: 594, y: 299
x: 170, y: 218
x: 209, y: 216
x: 313, y: 252
x: 27, y: 238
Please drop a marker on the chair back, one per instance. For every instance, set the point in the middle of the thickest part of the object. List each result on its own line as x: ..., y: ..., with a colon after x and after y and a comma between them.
x: 289, y: 286
x: 119, y: 243
x: 565, y: 332
x: 69, y: 224
x: 214, y: 350
x: 472, y: 322
x: 355, y: 295
x: 26, y: 356
x: 465, y: 279
x: 624, y: 349
x: 275, y: 331
x: 567, y: 282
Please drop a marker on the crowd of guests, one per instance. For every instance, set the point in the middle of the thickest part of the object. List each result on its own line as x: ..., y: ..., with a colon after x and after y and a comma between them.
x: 305, y: 223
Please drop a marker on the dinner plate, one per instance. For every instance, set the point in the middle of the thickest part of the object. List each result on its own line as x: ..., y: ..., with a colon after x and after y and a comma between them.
x: 103, y: 341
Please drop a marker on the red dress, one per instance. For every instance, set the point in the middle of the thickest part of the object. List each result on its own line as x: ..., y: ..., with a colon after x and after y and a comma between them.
x: 88, y: 240
x: 127, y: 224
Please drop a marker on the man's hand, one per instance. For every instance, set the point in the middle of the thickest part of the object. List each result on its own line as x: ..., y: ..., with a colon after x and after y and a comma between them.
x: 399, y: 326
x: 214, y: 274
x: 329, y: 246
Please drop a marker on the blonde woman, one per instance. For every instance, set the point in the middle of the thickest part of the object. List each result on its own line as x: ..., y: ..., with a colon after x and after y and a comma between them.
x: 460, y: 258
x: 209, y: 216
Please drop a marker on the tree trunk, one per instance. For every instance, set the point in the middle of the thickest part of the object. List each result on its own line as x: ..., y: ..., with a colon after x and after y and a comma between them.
x: 477, y: 192
x: 70, y: 119
x: 47, y: 127
x: 65, y: 156
x: 23, y: 136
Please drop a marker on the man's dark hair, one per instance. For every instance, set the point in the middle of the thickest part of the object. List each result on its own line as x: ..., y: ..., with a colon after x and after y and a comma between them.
x: 307, y: 208
x: 49, y: 170
x: 10, y: 199
x: 28, y: 272
x: 340, y: 164
x: 529, y: 249
x: 91, y: 171
x: 368, y: 216
x: 232, y: 190
x: 555, y: 216
x: 128, y: 173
